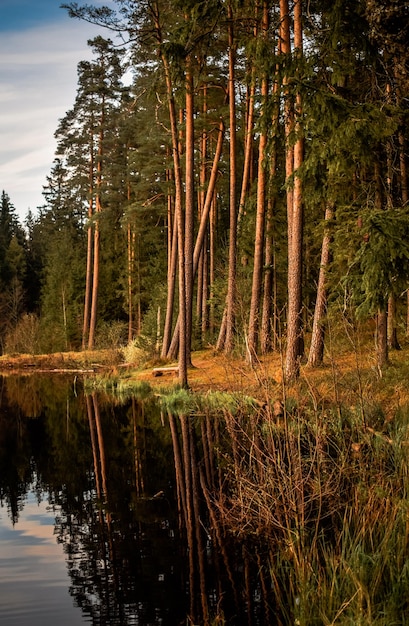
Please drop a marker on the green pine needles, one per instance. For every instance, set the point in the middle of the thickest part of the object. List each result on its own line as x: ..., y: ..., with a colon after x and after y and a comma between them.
x: 381, y: 264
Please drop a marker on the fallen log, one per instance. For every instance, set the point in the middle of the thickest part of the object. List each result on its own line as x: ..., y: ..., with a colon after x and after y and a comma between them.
x: 160, y: 371
x: 60, y: 370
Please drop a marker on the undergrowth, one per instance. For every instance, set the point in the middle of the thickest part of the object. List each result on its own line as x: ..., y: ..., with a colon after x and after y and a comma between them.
x: 316, y: 475
x: 326, y: 494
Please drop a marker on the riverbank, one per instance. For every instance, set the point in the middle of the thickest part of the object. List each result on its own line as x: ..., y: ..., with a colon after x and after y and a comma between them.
x: 351, y: 379
x: 87, y: 361
x: 320, y: 486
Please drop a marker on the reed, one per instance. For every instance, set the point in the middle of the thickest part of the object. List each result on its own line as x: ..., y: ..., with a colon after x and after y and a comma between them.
x: 327, y: 495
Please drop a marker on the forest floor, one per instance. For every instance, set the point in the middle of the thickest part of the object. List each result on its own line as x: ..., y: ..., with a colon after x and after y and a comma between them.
x: 351, y: 378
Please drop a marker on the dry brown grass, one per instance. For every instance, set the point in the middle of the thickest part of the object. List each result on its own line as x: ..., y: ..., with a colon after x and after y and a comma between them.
x: 349, y: 379
x: 88, y: 359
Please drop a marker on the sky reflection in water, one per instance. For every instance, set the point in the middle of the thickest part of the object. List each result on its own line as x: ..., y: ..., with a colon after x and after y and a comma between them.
x: 117, y: 549
x: 33, y: 573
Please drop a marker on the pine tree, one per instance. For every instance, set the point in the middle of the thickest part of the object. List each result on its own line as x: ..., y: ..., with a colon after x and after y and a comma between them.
x: 328, y: 120
x: 85, y: 142
x: 58, y: 230
x: 13, y: 266
x: 259, y: 238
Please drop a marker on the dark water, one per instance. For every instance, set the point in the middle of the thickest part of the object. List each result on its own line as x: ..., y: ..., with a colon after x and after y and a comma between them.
x: 103, y: 516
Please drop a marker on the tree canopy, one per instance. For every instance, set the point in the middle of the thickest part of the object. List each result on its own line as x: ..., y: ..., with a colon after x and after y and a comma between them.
x: 158, y: 226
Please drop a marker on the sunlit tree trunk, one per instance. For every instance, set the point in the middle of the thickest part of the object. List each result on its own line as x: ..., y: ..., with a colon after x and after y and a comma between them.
x: 130, y: 262
x: 98, y: 209
x: 171, y: 286
x: 295, y: 231
x: 172, y: 268
x: 202, y: 272
x: 179, y: 217
x: 131, y: 268
x: 254, y: 318
x: 90, y: 233
x: 200, y: 238
x: 248, y: 146
x: 189, y: 208
x: 212, y: 245
x: 268, y: 337
x: 231, y: 280
x: 316, y: 353
x: 245, y: 184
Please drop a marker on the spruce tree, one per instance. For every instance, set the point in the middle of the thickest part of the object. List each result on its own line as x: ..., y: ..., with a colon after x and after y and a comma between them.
x: 86, y: 141
x: 13, y: 266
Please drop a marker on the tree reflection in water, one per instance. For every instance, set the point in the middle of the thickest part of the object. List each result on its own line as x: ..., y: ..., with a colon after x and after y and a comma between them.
x: 135, y: 496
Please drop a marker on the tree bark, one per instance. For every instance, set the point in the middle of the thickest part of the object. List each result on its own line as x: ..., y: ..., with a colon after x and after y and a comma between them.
x: 90, y: 233
x: 231, y: 280
x: 189, y: 208
x: 382, y: 353
x: 316, y: 353
x: 254, y: 318
x: 98, y: 209
x: 171, y: 280
x: 295, y: 238
x: 393, y: 341
x: 202, y: 318
x: 183, y: 378
x: 212, y: 269
x: 268, y: 336
x: 268, y: 316
x: 248, y: 148
x: 95, y: 285
x: 203, y: 224
x: 131, y: 256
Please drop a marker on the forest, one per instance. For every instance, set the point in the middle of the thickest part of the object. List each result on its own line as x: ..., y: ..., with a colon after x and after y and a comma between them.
x: 231, y: 173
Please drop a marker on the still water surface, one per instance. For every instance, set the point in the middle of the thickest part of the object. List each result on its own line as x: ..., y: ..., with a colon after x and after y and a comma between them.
x: 100, y: 521
x: 33, y: 572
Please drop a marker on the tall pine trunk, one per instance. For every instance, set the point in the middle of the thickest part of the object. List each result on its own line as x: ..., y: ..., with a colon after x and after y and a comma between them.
x: 248, y: 146
x: 179, y: 217
x: 231, y: 279
x: 95, y: 283
x: 189, y: 208
x: 96, y: 251
x: 382, y: 351
x: 90, y: 235
x: 171, y: 284
x: 316, y: 353
x: 295, y: 232
x: 254, y: 318
x: 202, y: 308
x: 131, y: 260
x: 268, y: 336
x: 200, y: 238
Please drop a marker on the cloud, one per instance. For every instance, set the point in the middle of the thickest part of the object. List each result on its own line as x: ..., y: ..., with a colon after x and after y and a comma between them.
x: 38, y: 82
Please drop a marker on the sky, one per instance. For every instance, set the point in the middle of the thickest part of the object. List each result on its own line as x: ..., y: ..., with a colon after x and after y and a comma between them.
x: 40, y: 48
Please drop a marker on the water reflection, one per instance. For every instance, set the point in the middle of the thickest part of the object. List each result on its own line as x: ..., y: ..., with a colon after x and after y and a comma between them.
x: 131, y: 491
x: 33, y: 576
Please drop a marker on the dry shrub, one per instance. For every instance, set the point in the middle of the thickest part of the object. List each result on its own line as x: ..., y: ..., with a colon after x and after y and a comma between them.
x: 327, y: 496
x: 25, y: 337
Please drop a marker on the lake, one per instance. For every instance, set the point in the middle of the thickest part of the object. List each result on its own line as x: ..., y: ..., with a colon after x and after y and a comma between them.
x: 104, y: 514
